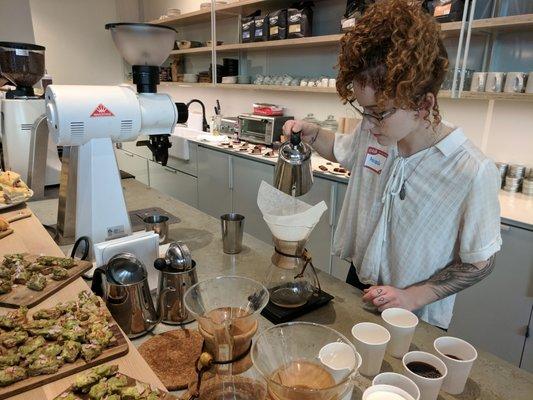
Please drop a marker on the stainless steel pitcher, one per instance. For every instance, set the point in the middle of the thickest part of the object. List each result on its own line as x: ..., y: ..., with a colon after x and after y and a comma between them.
x: 171, y: 307
x: 123, y: 285
x: 294, y: 172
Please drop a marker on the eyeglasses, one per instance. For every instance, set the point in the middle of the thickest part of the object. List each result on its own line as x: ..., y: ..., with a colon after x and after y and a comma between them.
x: 377, y: 119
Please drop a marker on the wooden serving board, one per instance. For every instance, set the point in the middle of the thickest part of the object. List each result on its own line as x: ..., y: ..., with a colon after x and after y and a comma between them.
x: 131, y: 382
x: 20, y: 295
x: 119, y: 349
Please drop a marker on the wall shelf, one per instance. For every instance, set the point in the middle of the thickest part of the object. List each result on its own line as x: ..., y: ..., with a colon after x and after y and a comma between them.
x: 443, y: 94
x: 511, y: 23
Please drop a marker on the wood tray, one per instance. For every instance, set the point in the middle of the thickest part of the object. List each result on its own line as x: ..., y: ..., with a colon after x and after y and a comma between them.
x: 118, y: 350
x: 131, y: 382
x: 22, y: 296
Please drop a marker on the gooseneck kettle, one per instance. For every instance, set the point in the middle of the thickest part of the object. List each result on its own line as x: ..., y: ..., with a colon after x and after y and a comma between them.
x: 294, y: 172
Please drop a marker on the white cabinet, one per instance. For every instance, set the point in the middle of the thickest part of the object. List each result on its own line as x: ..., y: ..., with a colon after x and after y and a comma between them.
x: 339, y: 268
x: 189, y: 166
x: 214, y: 189
x: 495, y: 313
x: 142, y: 151
x: 133, y: 164
x: 319, y: 244
x: 247, y: 176
x: 172, y: 182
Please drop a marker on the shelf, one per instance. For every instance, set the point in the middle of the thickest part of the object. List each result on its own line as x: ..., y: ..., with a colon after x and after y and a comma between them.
x: 204, y: 15
x: 511, y: 23
x: 443, y: 94
x: 467, y: 95
x: 313, y: 41
x: 195, y: 50
x: 273, y: 88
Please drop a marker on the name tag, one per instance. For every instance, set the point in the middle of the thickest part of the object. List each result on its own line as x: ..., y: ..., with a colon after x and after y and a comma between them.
x: 375, y: 159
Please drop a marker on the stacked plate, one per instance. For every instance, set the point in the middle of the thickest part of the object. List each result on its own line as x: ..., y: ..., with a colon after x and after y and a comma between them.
x: 512, y: 184
x: 502, y: 167
x: 516, y: 171
x: 527, y: 187
x: 231, y: 67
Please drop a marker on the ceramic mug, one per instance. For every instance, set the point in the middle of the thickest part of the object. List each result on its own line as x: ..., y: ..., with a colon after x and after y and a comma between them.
x: 494, y: 82
x: 529, y: 87
x: 479, y: 79
x: 515, y: 82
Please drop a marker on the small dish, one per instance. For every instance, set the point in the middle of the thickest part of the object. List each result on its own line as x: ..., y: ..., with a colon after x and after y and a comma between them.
x: 229, y: 79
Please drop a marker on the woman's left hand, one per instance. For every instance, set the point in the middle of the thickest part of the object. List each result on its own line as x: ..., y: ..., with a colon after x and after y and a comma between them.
x: 385, y: 297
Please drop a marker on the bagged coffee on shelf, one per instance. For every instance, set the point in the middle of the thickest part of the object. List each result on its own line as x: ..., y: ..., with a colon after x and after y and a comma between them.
x: 260, y: 29
x: 445, y: 10
x: 300, y: 19
x: 354, y: 10
x: 247, y: 31
x: 277, y: 25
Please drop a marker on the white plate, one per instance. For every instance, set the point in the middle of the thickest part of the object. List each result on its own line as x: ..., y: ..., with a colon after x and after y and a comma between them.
x: 214, y: 138
x: 4, y: 206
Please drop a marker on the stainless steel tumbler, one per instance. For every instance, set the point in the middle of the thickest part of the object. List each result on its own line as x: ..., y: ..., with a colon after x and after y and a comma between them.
x: 232, y: 230
x: 158, y: 224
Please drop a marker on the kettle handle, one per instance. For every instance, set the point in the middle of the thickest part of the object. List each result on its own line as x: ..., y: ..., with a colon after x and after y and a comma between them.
x: 296, y: 138
x: 98, y: 282
x: 162, y: 302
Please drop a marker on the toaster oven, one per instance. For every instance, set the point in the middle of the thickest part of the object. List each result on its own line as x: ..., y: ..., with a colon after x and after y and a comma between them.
x: 261, y: 129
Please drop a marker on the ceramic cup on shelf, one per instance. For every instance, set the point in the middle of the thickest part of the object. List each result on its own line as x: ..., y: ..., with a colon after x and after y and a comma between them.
x: 430, y: 375
x: 402, y: 325
x: 495, y: 82
x: 371, y: 342
x: 459, y: 357
x: 529, y: 87
x: 515, y: 82
x: 479, y: 79
x: 399, y: 381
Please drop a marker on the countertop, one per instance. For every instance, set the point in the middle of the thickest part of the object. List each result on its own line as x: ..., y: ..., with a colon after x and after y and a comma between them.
x: 29, y: 236
x: 516, y: 208
x: 491, y: 378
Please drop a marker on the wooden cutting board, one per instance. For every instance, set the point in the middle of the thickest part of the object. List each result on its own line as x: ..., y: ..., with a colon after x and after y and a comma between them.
x: 22, y: 296
x: 131, y: 382
x: 118, y: 350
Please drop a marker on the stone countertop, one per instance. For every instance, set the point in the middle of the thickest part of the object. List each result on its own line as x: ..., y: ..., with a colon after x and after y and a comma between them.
x: 516, y: 208
x: 491, y: 378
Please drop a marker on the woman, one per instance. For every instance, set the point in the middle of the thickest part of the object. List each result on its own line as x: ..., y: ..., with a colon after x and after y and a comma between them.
x: 421, y: 219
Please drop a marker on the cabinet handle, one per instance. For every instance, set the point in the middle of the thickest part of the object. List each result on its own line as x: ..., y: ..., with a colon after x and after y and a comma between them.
x: 505, y: 228
x: 170, y: 170
x: 230, y: 172
x: 332, y: 203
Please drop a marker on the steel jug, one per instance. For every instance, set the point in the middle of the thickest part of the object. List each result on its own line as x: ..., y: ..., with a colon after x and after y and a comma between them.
x: 123, y: 285
x: 177, y: 271
x: 294, y: 172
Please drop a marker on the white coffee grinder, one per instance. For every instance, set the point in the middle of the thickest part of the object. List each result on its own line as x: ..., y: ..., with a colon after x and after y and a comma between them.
x: 92, y: 118
x: 22, y: 65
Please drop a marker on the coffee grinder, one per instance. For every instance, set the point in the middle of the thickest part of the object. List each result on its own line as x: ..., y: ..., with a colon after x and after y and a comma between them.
x: 22, y: 65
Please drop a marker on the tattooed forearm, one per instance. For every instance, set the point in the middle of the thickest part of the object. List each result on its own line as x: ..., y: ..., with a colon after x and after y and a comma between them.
x: 457, y: 276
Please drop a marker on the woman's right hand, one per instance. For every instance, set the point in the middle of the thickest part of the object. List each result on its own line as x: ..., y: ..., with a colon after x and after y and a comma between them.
x: 307, y: 130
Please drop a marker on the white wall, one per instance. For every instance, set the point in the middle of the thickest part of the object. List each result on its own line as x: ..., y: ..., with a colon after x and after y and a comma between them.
x: 15, y: 21
x: 78, y: 48
x: 504, y: 135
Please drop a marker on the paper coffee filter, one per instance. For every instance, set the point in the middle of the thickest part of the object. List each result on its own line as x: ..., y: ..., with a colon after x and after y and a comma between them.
x: 287, y: 217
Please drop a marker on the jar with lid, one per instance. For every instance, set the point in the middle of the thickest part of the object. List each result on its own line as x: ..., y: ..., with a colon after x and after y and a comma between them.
x: 330, y: 124
x: 310, y: 118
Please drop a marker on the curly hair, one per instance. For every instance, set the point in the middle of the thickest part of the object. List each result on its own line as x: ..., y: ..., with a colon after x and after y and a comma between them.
x: 396, y: 48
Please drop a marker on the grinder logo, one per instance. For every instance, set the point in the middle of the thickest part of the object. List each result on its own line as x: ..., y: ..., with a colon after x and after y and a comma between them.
x: 102, y: 111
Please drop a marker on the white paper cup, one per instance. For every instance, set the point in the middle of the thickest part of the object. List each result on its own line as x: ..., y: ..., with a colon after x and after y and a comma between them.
x: 386, y: 392
x: 371, y: 342
x: 429, y: 387
x: 399, y: 381
x: 402, y: 325
x: 458, y: 370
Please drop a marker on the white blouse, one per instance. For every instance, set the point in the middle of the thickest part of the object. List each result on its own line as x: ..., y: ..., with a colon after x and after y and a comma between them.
x: 450, y: 212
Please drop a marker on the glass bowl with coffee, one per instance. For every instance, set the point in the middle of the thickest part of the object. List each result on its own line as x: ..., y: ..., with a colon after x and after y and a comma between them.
x: 290, y: 357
